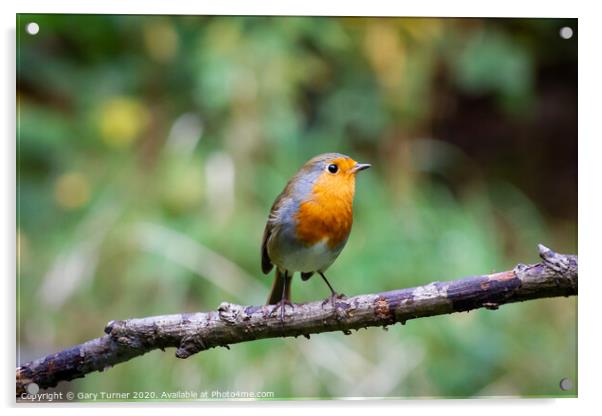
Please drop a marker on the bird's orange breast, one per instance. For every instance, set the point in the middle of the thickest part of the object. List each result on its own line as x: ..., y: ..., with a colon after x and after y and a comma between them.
x: 328, y: 213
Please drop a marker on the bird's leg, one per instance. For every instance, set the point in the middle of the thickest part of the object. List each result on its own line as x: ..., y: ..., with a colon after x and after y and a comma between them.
x: 284, y: 300
x: 333, y: 294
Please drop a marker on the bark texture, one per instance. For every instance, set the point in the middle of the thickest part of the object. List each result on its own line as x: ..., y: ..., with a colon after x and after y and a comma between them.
x: 191, y: 333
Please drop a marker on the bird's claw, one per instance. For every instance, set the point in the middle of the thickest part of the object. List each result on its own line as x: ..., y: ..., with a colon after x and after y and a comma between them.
x: 338, y: 310
x: 282, y: 306
x: 333, y: 299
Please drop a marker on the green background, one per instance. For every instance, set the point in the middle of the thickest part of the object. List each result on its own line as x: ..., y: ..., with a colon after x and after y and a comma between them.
x: 150, y: 149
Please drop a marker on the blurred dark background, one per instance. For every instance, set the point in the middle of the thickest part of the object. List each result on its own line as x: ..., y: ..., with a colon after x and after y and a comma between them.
x: 150, y: 149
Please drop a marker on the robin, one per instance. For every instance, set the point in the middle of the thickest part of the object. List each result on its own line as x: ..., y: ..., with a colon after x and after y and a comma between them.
x: 309, y: 224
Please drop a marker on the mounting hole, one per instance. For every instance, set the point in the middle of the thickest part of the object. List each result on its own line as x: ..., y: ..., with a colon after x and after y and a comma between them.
x: 32, y: 388
x: 566, y: 32
x: 32, y: 28
x: 566, y: 384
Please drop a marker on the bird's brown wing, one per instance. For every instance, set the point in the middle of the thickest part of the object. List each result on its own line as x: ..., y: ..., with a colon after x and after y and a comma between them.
x: 272, y: 226
x: 266, y: 262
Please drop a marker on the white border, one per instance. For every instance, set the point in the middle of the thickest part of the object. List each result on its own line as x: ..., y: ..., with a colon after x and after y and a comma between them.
x: 461, y: 8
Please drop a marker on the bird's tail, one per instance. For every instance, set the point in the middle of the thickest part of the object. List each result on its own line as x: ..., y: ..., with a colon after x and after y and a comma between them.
x: 281, y: 287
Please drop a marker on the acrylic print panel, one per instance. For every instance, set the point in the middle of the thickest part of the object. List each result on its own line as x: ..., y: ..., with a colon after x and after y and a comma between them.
x: 151, y: 149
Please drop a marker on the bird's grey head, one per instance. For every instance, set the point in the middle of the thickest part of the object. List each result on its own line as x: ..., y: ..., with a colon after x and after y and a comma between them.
x: 321, y: 162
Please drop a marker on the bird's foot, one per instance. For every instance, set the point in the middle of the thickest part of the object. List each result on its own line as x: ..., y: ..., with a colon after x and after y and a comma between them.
x: 282, y: 306
x: 338, y: 310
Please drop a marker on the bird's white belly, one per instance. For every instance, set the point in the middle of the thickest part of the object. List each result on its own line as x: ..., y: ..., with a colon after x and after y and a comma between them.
x: 317, y: 257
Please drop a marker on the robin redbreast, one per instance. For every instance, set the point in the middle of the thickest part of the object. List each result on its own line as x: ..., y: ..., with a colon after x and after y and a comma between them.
x: 309, y: 224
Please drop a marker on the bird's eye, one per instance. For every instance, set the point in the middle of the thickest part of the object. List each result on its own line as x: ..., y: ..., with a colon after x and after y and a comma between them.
x: 333, y: 168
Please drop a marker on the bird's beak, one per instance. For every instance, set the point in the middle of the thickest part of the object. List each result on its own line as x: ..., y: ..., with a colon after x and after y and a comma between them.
x: 361, y: 166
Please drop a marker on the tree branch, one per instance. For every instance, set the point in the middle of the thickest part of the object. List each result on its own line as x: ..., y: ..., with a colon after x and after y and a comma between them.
x: 190, y: 333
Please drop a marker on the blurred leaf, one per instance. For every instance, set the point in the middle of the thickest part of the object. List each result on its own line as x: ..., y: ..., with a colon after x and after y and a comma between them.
x: 492, y: 63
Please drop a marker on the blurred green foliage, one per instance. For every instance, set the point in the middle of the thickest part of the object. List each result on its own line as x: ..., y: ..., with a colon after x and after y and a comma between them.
x: 150, y: 149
